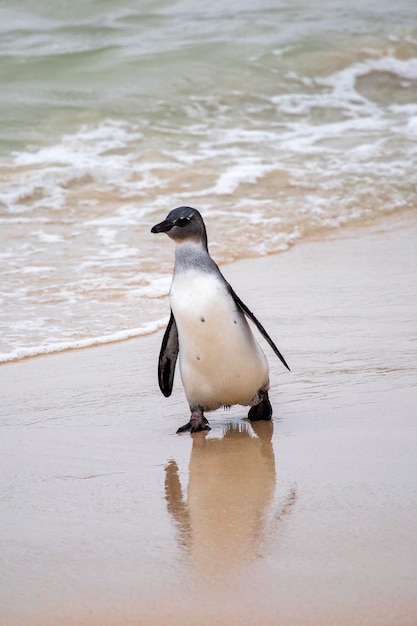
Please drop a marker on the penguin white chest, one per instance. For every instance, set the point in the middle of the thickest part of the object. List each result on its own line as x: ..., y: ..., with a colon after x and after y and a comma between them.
x: 220, y: 361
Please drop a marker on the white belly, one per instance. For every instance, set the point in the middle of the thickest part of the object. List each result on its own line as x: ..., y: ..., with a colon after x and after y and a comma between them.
x: 220, y: 361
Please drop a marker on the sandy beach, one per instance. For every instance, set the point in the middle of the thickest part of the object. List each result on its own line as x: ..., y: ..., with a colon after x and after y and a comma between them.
x: 109, y: 518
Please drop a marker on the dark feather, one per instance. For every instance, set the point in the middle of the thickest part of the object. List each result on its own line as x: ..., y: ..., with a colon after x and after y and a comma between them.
x: 258, y: 324
x: 168, y: 357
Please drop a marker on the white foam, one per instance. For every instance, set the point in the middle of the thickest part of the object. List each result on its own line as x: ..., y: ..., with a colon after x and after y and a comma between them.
x: 248, y: 171
x: 105, y: 153
x: 107, y: 235
x: 343, y: 94
x: 38, y: 269
x: 412, y: 125
x: 48, y: 237
x: 343, y: 83
x: 156, y: 287
x: 78, y: 148
x: 88, y: 342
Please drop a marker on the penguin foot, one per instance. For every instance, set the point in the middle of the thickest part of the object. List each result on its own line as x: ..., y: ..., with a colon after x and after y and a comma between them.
x: 261, y: 411
x: 197, y: 422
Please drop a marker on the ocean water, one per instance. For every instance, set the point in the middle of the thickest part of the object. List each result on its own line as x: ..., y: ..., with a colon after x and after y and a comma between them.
x: 277, y: 120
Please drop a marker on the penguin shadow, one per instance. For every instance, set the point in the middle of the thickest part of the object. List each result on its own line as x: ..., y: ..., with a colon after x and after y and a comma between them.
x: 226, y: 520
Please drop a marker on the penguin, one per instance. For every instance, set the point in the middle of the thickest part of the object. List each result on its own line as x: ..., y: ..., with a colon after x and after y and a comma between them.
x: 221, y: 364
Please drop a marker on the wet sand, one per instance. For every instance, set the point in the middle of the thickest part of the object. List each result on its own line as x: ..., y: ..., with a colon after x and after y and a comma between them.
x: 110, y: 518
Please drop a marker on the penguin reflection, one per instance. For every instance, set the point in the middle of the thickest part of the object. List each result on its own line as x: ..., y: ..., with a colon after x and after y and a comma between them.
x: 231, y: 484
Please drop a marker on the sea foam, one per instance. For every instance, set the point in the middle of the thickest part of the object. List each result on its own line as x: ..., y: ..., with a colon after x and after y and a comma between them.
x: 89, y: 342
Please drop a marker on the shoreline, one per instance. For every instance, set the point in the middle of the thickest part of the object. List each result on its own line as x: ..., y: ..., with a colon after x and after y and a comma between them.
x: 109, y: 517
x: 394, y: 220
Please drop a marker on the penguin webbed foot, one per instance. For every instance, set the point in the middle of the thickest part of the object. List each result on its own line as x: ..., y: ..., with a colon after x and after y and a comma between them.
x: 262, y: 410
x: 197, y: 422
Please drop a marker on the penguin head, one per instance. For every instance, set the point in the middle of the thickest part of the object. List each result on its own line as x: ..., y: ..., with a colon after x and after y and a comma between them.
x: 182, y: 224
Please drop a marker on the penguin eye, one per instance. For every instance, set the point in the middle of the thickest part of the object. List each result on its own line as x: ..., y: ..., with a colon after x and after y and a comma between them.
x: 182, y: 221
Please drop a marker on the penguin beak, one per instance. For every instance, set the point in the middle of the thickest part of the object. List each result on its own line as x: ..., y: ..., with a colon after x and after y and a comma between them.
x: 162, y: 227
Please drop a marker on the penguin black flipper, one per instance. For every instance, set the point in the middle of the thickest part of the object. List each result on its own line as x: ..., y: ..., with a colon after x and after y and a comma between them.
x: 168, y: 357
x: 242, y: 306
